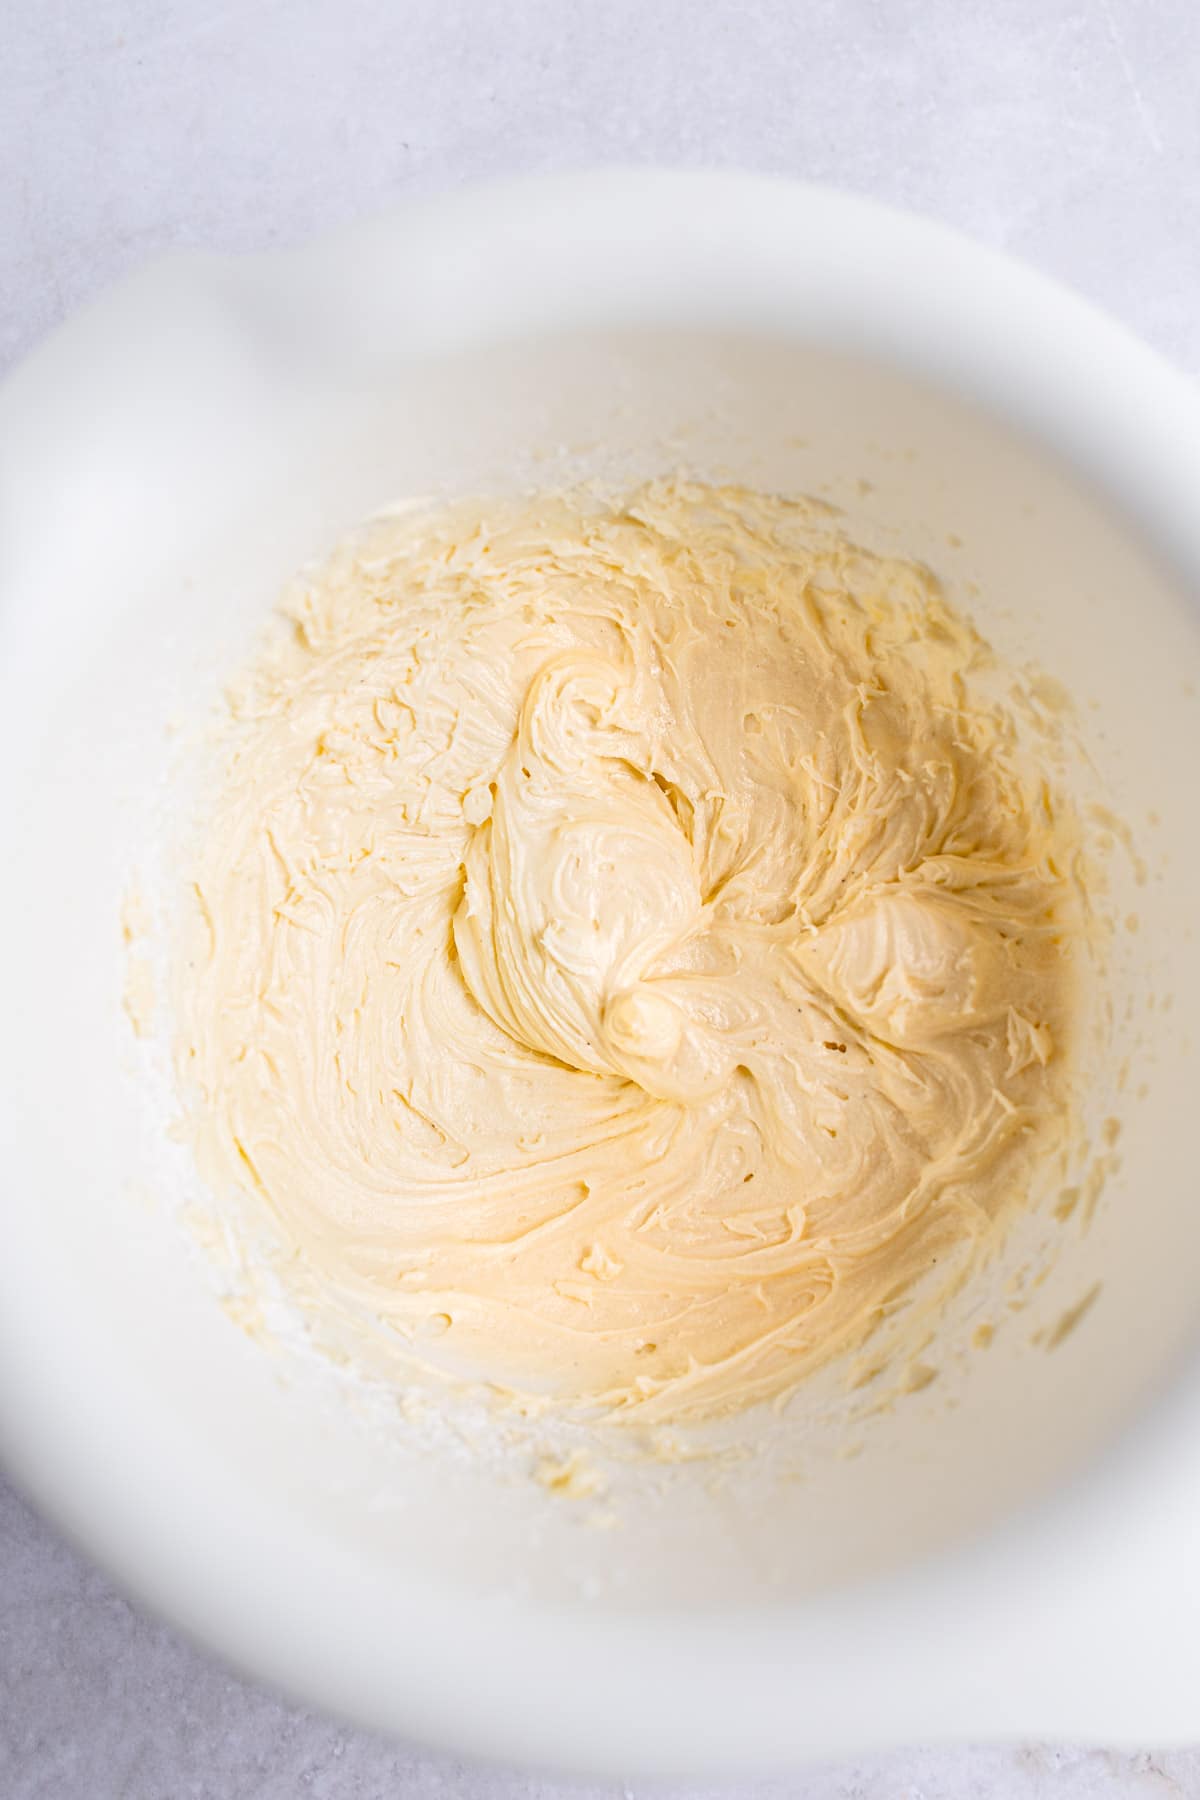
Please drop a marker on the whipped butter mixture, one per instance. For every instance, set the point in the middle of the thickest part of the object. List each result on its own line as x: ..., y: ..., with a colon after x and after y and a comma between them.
x: 634, y: 947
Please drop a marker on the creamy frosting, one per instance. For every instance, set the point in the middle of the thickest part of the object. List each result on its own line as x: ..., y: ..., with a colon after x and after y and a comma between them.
x: 634, y: 947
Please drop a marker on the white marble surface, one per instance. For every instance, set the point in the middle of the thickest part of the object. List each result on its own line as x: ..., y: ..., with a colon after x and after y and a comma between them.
x: 1068, y: 132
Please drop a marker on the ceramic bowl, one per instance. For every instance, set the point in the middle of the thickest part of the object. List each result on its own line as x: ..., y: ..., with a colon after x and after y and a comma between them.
x: 1015, y: 1550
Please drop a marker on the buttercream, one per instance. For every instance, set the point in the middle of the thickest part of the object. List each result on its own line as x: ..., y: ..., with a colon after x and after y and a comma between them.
x: 633, y: 945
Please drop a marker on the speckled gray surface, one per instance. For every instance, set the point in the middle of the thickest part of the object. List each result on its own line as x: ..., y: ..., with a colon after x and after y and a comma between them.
x: 1069, y: 133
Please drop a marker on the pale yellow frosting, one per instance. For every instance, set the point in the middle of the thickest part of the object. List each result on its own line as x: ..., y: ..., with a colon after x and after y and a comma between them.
x: 636, y: 946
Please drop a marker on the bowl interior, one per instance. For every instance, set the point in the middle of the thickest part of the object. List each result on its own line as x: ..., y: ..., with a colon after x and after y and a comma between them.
x: 1051, y: 574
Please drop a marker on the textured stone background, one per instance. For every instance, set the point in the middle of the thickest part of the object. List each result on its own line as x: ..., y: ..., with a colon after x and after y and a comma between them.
x: 1069, y: 133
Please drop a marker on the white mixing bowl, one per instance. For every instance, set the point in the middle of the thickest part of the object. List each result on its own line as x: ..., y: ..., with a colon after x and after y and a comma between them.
x: 1025, y: 1560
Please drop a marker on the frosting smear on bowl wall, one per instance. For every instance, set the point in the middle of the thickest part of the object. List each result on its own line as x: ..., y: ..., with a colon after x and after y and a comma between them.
x: 635, y: 946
